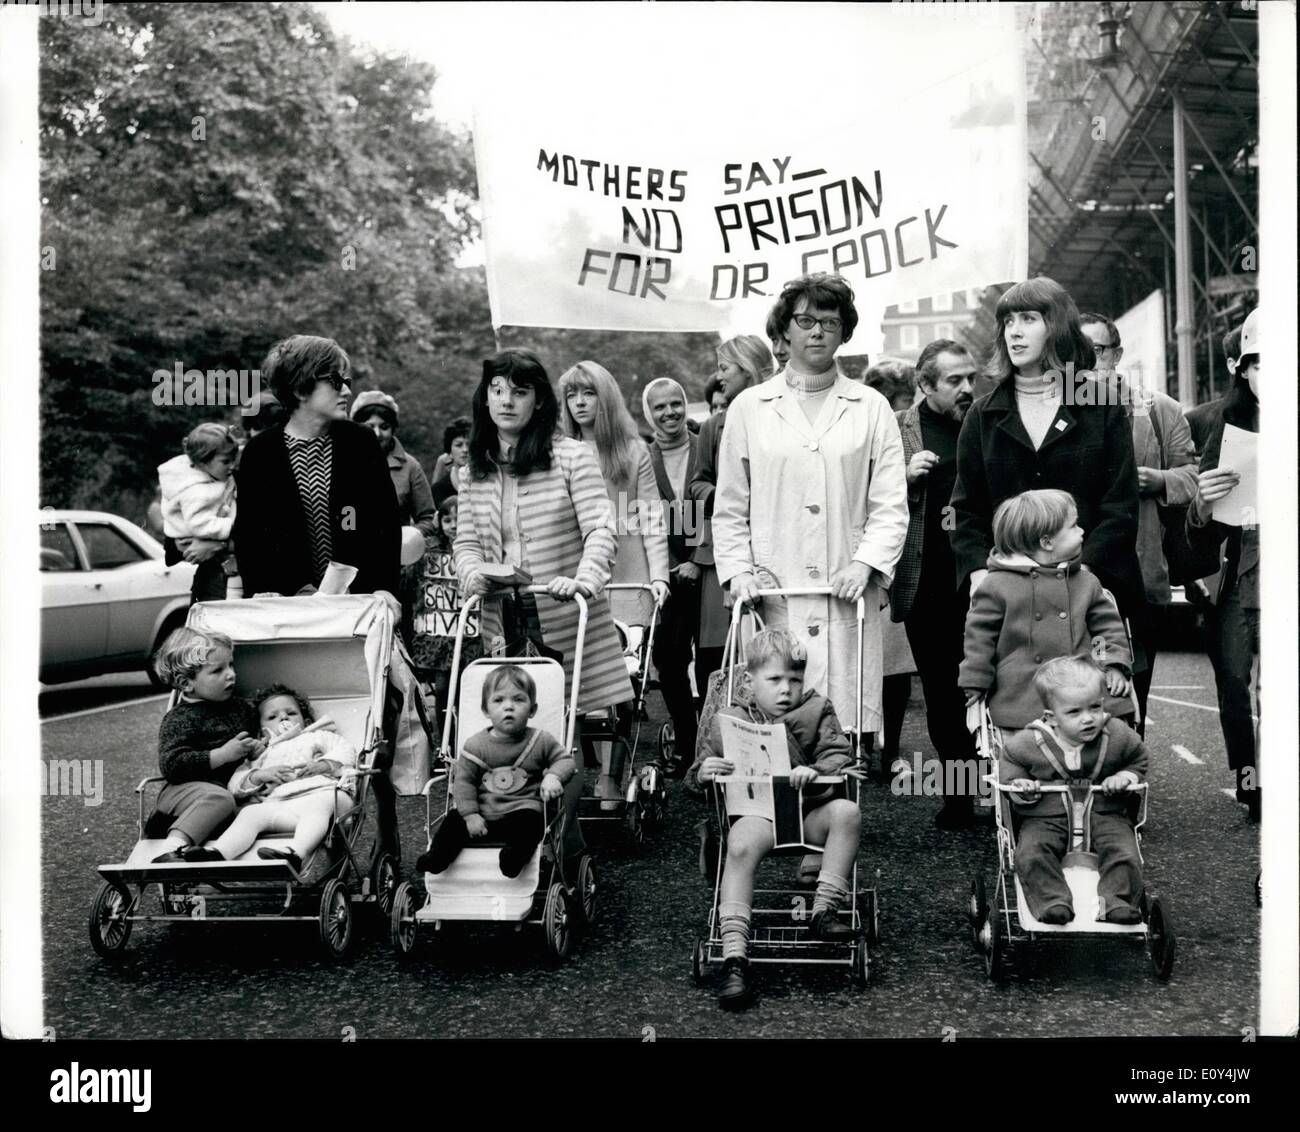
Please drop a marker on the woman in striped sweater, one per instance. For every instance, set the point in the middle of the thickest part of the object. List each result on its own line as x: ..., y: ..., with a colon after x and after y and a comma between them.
x: 537, y: 500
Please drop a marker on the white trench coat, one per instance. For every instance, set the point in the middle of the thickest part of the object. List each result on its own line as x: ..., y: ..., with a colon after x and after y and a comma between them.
x: 801, y: 501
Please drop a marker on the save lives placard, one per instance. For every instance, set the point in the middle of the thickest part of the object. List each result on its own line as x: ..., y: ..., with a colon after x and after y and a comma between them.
x: 898, y: 161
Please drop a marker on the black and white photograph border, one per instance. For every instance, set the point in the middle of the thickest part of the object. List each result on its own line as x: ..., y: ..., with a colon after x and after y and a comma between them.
x: 630, y: 977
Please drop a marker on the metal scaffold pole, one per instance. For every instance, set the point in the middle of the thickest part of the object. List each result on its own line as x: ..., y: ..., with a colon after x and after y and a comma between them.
x: 1183, y: 326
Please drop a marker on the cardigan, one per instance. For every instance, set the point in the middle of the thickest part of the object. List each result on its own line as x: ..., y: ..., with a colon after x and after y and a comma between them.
x: 685, y: 526
x: 271, y: 538
x: 567, y: 523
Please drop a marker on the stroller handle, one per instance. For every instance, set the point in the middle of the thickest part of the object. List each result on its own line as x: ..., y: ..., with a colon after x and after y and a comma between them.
x: 1064, y: 788
x: 471, y: 602
x: 828, y: 779
x: 737, y: 611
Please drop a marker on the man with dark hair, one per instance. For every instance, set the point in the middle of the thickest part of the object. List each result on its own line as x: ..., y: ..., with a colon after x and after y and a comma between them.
x: 1166, y: 468
x: 1203, y: 418
x: 776, y: 335
x: 946, y: 375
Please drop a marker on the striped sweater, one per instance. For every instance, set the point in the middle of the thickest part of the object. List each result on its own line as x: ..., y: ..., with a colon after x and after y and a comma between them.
x: 567, y: 525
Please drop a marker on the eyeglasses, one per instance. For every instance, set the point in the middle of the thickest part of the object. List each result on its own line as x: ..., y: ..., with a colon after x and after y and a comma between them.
x: 335, y: 379
x: 831, y: 325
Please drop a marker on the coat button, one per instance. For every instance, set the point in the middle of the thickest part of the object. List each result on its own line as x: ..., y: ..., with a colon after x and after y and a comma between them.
x: 813, y: 630
x: 813, y: 572
x: 814, y: 508
x: 1038, y: 616
x: 812, y: 446
x: 1061, y: 615
x: 1038, y: 660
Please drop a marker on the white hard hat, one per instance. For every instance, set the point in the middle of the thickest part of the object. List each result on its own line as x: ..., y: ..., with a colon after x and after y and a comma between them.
x: 1250, y: 334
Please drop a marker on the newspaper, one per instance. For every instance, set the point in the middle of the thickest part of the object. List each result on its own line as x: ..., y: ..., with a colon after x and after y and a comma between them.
x: 755, y: 750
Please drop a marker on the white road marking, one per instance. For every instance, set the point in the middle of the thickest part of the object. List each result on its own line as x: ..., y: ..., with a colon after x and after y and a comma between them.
x: 106, y: 707
x: 1200, y: 707
x: 1186, y: 755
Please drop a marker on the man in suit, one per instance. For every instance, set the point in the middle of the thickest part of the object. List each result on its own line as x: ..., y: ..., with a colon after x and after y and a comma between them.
x: 923, y: 597
x: 674, y: 454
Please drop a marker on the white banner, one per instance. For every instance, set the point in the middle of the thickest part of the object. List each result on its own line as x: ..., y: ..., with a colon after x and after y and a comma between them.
x: 675, y: 180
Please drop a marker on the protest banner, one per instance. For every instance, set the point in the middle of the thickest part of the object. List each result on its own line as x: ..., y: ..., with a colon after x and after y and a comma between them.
x: 898, y: 163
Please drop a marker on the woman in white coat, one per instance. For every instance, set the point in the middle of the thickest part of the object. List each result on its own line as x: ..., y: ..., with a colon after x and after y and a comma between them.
x: 812, y: 492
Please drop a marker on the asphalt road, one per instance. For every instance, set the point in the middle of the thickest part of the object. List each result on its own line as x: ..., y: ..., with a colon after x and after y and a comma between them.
x: 631, y: 977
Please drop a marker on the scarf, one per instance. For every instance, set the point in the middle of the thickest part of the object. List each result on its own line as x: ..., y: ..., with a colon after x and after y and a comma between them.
x: 661, y: 438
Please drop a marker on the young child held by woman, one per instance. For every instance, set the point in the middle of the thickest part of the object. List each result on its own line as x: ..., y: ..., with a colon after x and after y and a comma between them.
x: 202, y: 739
x: 776, y: 660
x: 1075, y: 740
x: 1037, y: 602
x: 291, y: 787
x: 503, y: 775
x: 198, y: 506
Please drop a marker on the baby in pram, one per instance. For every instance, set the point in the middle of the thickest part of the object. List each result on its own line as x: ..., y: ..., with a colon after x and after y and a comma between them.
x: 291, y: 787
x: 1075, y: 740
x: 776, y: 660
x: 503, y: 775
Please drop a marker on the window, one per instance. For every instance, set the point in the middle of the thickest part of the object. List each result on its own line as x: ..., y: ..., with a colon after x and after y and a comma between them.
x: 941, y: 302
x: 909, y: 307
x: 58, y: 554
x: 908, y: 337
x: 943, y: 330
x: 107, y: 548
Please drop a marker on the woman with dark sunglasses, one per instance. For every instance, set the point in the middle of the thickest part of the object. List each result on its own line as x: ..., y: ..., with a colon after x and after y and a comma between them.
x: 317, y: 487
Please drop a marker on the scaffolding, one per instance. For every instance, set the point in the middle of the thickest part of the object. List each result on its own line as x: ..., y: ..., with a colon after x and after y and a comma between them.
x: 1143, y: 140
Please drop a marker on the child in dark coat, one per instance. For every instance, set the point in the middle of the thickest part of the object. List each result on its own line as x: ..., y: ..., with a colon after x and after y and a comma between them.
x: 1075, y: 740
x: 202, y: 739
x: 1038, y: 602
x: 776, y: 660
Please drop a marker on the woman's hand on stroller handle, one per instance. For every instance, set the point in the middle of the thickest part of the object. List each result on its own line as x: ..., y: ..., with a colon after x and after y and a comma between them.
x: 563, y: 589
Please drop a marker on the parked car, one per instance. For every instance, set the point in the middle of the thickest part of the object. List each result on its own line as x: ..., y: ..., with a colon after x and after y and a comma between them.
x: 107, y: 597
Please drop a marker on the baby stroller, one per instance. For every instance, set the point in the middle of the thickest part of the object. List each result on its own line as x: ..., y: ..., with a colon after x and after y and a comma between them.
x: 473, y: 889
x: 994, y: 927
x: 343, y: 653
x: 779, y: 926
x: 642, y: 798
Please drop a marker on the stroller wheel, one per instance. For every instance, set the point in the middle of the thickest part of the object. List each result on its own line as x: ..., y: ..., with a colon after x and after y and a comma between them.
x: 556, y: 924
x: 585, y: 904
x: 335, y: 920
x: 402, y: 920
x: 860, y: 965
x: 110, y: 926
x: 635, y: 822
x: 871, y: 918
x: 977, y: 909
x: 995, y: 946
x: 667, y: 745
x: 699, y: 969
x: 383, y: 883
x: 1160, y: 938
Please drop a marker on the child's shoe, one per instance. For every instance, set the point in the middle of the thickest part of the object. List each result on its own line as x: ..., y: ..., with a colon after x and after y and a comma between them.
x: 512, y: 860
x: 736, y: 992
x: 608, y: 793
x: 1123, y: 914
x: 1057, y: 914
x: 826, y: 926
x: 275, y: 853
x: 192, y: 853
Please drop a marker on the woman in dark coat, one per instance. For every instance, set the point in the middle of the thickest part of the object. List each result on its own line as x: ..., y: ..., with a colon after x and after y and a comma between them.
x: 315, y: 489
x: 1047, y: 425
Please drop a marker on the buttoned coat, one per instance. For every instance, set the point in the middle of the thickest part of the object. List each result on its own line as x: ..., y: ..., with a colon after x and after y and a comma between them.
x: 799, y: 501
x: 567, y: 524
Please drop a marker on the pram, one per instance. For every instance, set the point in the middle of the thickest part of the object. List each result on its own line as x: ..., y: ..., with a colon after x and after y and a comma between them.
x: 779, y: 926
x: 341, y: 653
x: 642, y: 799
x: 994, y: 927
x: 473, y: 889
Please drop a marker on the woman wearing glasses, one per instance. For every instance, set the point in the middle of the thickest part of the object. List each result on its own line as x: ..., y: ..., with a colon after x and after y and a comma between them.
x: 315, y: 489
x: 812, y: 492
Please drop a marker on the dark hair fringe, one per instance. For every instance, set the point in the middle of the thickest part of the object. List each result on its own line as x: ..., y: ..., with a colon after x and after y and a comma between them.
x: 1066, y: 342
x: 823, y: 291
x: 533, y: 453
x: 294, y: 365
x: 459, y: 427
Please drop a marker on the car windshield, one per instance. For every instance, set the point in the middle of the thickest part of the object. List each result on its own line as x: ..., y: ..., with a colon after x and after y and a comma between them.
x: 107, y: 548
